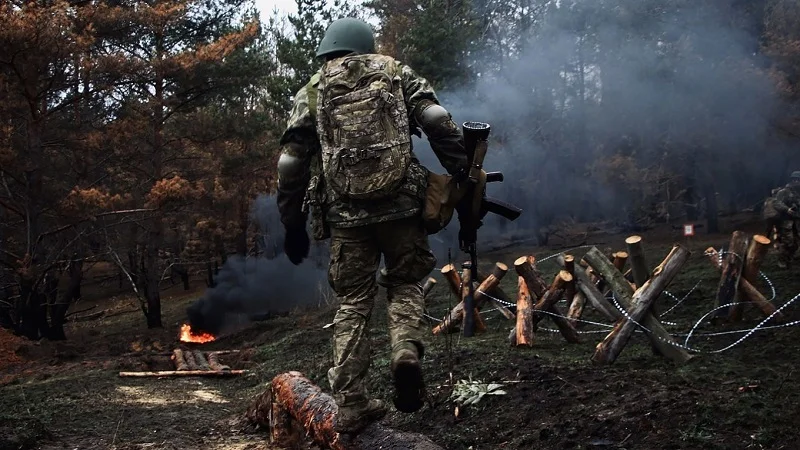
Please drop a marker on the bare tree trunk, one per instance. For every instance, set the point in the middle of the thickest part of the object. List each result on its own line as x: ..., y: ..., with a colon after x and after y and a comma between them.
x: 58, y: 310
x: 712, y: 213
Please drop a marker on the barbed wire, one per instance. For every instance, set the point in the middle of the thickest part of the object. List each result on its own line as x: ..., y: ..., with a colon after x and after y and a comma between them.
x: 747, y: 332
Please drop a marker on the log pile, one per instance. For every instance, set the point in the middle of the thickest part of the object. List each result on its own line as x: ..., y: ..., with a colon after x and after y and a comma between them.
x: 294, y: 409
x: 191, y: 363
x: 739, y: 268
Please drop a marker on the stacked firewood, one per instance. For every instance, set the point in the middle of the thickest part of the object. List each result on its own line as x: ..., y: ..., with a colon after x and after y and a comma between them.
x: 192, y: 363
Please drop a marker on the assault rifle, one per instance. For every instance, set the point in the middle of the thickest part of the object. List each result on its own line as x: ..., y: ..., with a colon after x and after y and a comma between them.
x: 474, y: 207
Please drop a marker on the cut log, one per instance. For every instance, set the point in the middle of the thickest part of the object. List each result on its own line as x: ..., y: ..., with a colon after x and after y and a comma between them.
x: 184, y: 373
x: 746, y: 288
x: 454, y: 280
x: 576, y: 308
x: 756, y: 250
x: 552, y: 296
x: 619, y: 259
x: 609, y: 349
x: 524, y: 266
x: 524, y: 328
x: 470, y: 308
x: 732, y: 266
x: 292, y: 407
x: 213, y: 362
x: 639, y: 269
x: 548, y: 303
x: 569, y: 292
x: 661, y: 340
x: 200, y: 360
x: 179, y: 360
x: 190, y: 362
x: 592, y: 294
x: 430, y: 283
x: 490, y: 287
x: 545, y: 300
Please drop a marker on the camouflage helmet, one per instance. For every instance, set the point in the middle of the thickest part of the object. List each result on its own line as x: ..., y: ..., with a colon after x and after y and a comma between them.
x: 795, y: 175
x: 347, y: 35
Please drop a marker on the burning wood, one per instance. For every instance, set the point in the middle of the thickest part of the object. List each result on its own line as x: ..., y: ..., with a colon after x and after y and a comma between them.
x: 186, y: 335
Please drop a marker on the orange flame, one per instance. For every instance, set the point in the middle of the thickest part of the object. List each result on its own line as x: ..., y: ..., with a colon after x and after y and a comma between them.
x: 188, y: 336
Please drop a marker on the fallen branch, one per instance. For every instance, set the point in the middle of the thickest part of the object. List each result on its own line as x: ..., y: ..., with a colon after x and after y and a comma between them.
x: 184, y: 373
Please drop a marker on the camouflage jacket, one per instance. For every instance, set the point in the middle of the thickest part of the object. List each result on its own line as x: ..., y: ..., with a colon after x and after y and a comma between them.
x: 787, y: 198
x: 326, y: 211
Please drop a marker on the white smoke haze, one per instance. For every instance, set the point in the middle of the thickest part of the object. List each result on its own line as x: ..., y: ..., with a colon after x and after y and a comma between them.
x: 682, y: 91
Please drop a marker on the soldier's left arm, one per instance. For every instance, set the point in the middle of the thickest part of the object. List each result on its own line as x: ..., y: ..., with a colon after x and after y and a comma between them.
x: 425, y: 112
x: 294, y: 165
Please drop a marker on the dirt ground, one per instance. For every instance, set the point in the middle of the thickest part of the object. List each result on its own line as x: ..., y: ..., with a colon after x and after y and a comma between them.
x: 68, y: 395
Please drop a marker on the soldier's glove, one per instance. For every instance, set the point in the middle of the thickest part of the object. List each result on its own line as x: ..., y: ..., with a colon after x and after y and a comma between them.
x: 296, y: 244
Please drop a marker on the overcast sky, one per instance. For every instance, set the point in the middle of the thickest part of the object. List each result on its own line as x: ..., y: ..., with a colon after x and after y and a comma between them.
x: 267, y: 6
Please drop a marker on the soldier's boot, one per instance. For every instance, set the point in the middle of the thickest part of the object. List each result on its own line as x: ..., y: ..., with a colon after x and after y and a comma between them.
x: 353, y: 418
x: 409, y: 385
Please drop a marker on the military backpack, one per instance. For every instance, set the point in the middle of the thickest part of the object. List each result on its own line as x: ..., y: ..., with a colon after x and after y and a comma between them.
x: 363, y: 127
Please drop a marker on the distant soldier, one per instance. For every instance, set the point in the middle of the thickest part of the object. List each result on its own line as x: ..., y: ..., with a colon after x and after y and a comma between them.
x: 787, y: 203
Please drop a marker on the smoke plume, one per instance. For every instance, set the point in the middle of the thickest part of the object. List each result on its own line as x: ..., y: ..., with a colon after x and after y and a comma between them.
x: 253, y: 287
x: 618, y: 110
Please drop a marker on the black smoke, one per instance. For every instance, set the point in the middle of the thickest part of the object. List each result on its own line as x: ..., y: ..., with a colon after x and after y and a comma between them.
x: 254, y: 287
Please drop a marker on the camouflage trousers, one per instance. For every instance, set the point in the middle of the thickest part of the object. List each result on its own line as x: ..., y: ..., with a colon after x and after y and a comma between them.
x: 786, y: 241
x: 355, y: 258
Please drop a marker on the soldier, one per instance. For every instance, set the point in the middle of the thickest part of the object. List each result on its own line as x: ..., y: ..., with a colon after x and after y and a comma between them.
x: 347, y: 161
x: 787, y: 203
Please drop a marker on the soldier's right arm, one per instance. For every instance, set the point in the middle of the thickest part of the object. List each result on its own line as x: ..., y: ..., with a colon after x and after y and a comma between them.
x: 294, y: 165
x: 445, y: 137
x: 785, y: 203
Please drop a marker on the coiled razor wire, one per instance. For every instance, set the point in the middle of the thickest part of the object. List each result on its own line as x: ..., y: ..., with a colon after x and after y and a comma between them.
x: 761, y: 326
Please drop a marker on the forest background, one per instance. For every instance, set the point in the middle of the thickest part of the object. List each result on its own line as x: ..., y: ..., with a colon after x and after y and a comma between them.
x: 143, y: 135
